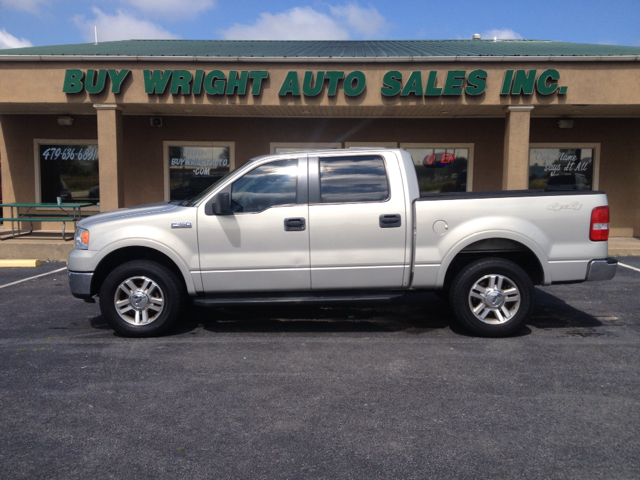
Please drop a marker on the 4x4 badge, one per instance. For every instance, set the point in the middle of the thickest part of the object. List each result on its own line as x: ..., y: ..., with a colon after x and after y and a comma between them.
x: 572, y: 206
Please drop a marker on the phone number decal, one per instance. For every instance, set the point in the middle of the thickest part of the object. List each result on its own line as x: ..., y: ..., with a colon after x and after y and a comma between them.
x: 70, y: 153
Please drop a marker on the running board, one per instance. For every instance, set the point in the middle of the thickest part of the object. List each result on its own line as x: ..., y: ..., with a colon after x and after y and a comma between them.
x: 294, y: 299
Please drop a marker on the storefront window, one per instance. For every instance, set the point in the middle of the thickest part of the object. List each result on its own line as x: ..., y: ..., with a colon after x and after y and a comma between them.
x: 69, y: 171
x: 443, y: 169
x: 561, y: 168
x: 192, y: 169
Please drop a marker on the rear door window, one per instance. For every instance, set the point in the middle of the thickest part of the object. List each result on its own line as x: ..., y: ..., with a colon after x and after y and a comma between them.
x: 360, y: 178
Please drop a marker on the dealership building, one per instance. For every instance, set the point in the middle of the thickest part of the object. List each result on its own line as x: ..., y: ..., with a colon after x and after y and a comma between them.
x: 117, y: 124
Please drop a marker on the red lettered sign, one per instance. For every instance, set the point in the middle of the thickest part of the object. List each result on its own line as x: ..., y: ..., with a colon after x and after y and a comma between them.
x: 438, y: 160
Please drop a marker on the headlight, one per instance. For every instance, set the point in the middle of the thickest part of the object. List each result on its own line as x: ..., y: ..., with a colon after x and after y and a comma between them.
x: 82, y: 238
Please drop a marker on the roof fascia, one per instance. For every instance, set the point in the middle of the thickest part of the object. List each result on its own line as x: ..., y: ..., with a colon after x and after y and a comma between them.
x: 410, y: 59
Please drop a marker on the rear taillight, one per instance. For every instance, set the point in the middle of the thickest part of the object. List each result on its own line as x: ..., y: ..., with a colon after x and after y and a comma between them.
x: 599, y: 224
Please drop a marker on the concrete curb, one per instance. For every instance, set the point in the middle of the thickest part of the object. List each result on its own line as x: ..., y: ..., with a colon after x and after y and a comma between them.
x: 624, y: 246
x: 20, y: 263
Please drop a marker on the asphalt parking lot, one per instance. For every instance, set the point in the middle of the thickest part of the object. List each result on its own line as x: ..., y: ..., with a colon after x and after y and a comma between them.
x: 390, y: 391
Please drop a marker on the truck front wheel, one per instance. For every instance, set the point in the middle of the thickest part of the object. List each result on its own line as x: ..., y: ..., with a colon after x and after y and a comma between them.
x: 492, y: 297
x: 141, y: 298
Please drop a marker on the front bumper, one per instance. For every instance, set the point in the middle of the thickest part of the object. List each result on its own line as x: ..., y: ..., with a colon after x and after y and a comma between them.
x: 80, y: 284
x: 602, y: 269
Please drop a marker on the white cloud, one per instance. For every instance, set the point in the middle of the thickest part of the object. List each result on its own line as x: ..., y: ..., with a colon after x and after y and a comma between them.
x: 172, y: 8
x: 121, y: 26
x: 299, y: 23
x: 502, y: 34
x: 32, y: 6
x: 366, y: 21
x: 9, y: 41
x: 305, y: 23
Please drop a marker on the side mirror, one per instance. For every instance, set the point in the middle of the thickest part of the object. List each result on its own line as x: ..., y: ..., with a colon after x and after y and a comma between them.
x: 223, y: 204
x: 220, y: 205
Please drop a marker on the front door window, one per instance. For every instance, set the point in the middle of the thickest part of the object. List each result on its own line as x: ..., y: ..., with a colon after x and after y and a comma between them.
x: 266, y: 186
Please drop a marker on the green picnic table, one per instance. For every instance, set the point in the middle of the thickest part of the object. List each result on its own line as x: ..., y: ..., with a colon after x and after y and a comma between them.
x: 69, y: 212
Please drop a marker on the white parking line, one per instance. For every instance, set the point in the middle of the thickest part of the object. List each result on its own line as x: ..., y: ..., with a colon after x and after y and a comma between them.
x: 31, y: 278
x: 629, y: 266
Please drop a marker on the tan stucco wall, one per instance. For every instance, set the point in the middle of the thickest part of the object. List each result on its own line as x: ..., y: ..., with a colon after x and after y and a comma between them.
x: 619, y: 160
x: 17, y: 135
x: 143, y: 147
x: 590, y: 83
x: 595, y: 89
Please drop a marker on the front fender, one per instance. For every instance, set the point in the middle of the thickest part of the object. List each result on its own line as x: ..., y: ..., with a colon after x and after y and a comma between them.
x: 192, y: 288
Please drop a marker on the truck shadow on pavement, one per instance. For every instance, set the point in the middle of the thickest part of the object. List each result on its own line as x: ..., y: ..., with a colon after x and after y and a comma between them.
x: 411, y: 316
x: 416, y: 315
x: 552, y: 312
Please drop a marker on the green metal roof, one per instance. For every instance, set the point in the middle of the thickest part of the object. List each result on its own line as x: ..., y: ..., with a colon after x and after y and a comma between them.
x: 327, y: 49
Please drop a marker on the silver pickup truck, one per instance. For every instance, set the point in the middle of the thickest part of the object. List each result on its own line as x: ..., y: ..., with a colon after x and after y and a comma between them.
x: 338, y: 226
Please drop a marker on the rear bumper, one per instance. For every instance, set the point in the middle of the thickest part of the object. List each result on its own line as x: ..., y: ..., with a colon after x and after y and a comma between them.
x: 602, y: 269
x: 80, y: 284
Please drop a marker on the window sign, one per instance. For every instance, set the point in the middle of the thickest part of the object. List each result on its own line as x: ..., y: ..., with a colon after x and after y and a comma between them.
x: 561, y: 168
x: 69, y: 172
x: 441, y: 169
x: 192, y: 169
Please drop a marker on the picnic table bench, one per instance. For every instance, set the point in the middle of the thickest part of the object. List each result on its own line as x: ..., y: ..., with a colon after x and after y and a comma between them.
x: 69, y: 212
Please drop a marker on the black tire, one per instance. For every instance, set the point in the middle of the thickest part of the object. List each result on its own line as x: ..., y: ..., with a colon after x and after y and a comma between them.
x: 506, y: 303
x: 150, y: 310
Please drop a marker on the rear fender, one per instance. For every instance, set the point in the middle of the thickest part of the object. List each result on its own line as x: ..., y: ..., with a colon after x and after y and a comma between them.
x: 493, y: 234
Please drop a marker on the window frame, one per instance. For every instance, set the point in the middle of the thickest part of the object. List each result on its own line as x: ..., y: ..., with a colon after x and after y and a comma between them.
x: 371, y: 144
x: 596, y: 156
x: 468, y: 146
x: 308, y: 146
x: 177, y: 143
x: 36, y: 158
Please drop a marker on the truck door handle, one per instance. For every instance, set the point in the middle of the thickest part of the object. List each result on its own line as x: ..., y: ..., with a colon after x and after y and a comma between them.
x: 297, y: 224
x: 390, y: 221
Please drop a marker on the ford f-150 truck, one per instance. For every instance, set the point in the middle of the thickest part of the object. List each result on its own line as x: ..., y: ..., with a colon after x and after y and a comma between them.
x: 338, y: 225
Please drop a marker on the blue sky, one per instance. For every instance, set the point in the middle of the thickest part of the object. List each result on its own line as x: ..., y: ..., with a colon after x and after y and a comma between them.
x: 52, y: 22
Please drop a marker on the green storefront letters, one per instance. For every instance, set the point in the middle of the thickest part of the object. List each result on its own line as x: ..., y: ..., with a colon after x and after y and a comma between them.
x: 312, y: 84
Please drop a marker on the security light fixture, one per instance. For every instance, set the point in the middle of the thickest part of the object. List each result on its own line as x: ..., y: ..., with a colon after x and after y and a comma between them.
x: 155, y: 121
x: 65, y: 121
x: 565, y: 123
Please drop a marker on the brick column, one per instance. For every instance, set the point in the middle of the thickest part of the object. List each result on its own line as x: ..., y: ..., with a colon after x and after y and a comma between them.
x: 515, y: 166
x: 110, y: 146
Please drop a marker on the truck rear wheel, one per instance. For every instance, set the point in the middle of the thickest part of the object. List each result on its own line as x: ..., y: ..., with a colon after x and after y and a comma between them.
x: 141, y: 298
x: 492, y: 297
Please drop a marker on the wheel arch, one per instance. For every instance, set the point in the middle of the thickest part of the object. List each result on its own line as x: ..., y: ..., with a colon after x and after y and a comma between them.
x: 508, y: 245
x: 124, y: 254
